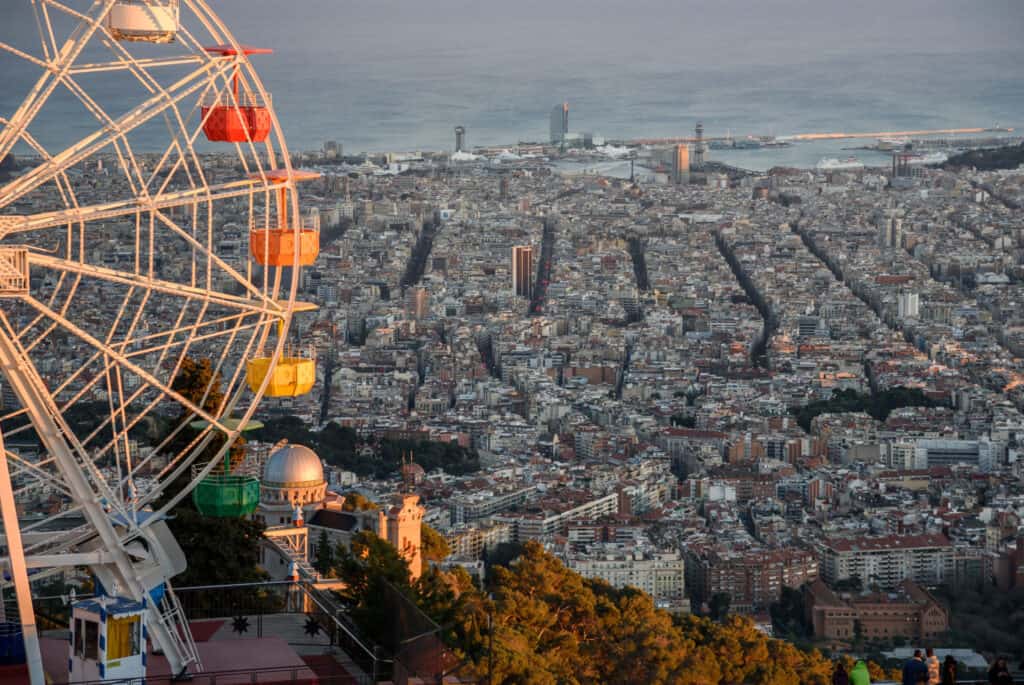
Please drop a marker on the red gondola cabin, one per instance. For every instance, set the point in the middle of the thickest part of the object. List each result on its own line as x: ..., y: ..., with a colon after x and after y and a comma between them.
x: 232, y: 117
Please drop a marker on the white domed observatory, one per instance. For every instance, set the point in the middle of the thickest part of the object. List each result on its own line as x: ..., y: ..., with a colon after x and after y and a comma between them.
x: 292, y: 477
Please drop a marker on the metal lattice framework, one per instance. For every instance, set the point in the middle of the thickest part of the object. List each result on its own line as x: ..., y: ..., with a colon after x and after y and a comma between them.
x: 123, y: 253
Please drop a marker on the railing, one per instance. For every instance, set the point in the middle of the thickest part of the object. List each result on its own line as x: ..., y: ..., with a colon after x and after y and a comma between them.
x: 172, y: 616
x: 270, y: 598
x: 229, y: 99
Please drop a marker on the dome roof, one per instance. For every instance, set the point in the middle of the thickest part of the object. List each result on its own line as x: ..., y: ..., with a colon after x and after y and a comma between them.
x: 293, y: 465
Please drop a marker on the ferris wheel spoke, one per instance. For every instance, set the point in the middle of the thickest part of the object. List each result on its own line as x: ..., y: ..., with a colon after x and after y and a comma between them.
x: 254, y: 341
x: 212, y: 257
x: 163, y: 349
x: 5, y: 47
x: 126, y: 363
x: 176, y: 328
x: 236, y: 319
x: 103, y: 137
x: 150, y: 63
x: 138, y: 416
x: 199, y: 338
x: 115, y: 386
x: 71, y: 11
x: 46, y: 84
x: 180, y: 132
x: 47, y: 39
x: 266, y: 306
x: 176, y: 467
x: 26, y: 467
x: 125, y: 157
x: 126, y: 426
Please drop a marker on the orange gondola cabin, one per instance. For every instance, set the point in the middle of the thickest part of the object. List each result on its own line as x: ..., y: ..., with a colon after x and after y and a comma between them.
x: 280, y: 245
x: 234, y: 117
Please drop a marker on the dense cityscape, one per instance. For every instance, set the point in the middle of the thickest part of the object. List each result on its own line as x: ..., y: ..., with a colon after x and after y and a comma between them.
x: 715, y: 386
x: 578, y: 410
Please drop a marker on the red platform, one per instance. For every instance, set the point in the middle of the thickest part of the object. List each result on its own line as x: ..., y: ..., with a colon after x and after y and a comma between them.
x: 14, y: 675
x: 204, y: 630
x: 329, y: 671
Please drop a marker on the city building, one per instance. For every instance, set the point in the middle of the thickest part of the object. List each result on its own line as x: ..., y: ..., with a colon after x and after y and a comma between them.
x: 1009, y: 566
x: 460, y: 138
x: 559, y: 123
x: 470, y: 542
x: 522, y: 271
x: 553, y: 515
x: 483, y: 503
x: 660, y: 574
x: 908, y: 611
x: 698, y: 148
x: 935, y: 452
x: 889, y: 560
x: 681, y: 164
x: 753, y: 578
x: 332, y: 149
x: 908, y: 306
x: 890, y: 230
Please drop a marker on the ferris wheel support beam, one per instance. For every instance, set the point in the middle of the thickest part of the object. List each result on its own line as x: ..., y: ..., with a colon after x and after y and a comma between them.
x: 68, y: 559
x: 19, y: 573
x: 53, y: 432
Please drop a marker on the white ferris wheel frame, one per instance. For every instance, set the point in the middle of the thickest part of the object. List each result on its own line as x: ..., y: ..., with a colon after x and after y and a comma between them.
x: 240, y: 323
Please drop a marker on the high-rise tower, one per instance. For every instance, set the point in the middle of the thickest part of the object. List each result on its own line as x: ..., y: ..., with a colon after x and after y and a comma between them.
x: 559, y: 122
x: 460, y: 138
x: 522, y: 269
x: 681, y: 164
x: 698, y: 148
x: 890, y: 229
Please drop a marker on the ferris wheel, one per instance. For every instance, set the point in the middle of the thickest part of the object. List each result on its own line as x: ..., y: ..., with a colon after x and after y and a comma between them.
x: 149, y: 218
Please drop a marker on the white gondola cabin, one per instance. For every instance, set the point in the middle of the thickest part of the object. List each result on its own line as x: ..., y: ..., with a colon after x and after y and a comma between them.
x: 152, y: 21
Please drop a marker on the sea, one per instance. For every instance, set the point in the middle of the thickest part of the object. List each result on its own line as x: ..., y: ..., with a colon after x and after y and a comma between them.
x: 399, y: 76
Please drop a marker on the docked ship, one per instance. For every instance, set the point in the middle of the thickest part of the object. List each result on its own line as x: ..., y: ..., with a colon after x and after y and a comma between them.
x: 835, y: 164
x: 926, y: 158
x: 747, y: 143
x: 889, y: 144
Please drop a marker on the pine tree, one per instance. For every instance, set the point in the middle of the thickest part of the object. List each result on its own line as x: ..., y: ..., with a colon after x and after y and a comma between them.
x: 432, y: 544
